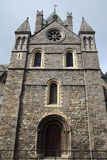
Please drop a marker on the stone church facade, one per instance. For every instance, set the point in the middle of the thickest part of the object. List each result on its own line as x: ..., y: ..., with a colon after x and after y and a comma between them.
x: 55, y: 96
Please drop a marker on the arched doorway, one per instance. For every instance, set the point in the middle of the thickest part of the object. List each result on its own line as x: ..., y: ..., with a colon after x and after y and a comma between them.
x: 53, y: 139
x: 53, y: 136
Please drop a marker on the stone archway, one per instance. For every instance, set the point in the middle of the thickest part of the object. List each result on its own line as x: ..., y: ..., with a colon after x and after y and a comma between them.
x: 53, y: 139
x: 53, y: 136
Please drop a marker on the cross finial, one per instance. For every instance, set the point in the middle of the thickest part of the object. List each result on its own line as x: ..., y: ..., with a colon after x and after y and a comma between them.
x: 55, y: 8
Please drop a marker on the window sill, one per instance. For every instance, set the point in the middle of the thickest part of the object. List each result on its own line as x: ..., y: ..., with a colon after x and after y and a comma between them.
x: 36, y: 67
x: 70, y: 68
x: 53, y: 105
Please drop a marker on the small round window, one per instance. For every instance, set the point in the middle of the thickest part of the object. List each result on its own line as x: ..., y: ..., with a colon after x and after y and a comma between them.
x: 54, y: 35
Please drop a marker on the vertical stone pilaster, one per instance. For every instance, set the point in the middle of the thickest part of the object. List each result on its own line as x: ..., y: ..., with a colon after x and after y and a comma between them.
x: 10, y: 109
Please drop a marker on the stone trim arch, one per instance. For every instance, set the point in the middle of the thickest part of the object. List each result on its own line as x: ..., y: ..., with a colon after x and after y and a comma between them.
x: 73, y: 52
x: 33, y: 58
x: 48, y: 83
x: 65, y: 134
x: 58, y: 117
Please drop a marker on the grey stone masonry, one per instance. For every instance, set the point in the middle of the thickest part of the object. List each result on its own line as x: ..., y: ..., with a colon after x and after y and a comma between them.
x: 79, y: 115
x: 3, y: 75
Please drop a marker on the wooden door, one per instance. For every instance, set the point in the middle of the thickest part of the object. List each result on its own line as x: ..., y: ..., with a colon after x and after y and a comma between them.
x: 53, y: 141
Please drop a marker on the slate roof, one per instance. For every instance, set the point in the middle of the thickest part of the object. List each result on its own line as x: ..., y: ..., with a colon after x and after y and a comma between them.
x: 25, y: 27
x: 85, y: 27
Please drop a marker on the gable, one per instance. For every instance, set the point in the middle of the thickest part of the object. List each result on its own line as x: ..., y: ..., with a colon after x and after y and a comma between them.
x: 68, y: 36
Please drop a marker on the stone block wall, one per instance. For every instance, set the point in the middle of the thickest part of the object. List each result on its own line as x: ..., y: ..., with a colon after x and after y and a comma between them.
x: 54, y: 56
x: 10, y: 109
x: 90, y: 60
x: 1, y: 92
x: 65, y: 77
x: 80, y: 93
x: 73, y: 108
x: 96, y: 110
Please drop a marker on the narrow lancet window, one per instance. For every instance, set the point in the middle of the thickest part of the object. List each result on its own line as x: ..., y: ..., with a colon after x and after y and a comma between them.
x: 23, y: 43
x: 37, y: 60
x: 17, y: 43
x: 85, y: 43
x: 105, y: 95
x: 53, y: 94
x: 69, y: 59
x: 90, y: 42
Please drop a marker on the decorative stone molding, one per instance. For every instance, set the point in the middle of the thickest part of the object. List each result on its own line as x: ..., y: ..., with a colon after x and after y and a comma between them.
x: 73, y: 52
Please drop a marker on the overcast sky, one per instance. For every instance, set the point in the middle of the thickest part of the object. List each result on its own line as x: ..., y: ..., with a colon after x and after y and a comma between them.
x: 14, y: 12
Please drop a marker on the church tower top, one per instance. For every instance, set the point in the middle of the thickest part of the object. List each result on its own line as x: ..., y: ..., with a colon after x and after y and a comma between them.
x: 24, y: 28
x: 85, y: 27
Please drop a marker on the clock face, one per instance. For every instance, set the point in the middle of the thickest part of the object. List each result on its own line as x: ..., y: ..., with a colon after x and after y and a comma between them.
x: 55, y: 35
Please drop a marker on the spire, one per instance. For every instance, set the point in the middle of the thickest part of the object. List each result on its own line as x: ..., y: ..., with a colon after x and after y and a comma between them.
x: 55, y: 9
x: 85, y: 27
x: 55, y: 16
x: 24, y: 28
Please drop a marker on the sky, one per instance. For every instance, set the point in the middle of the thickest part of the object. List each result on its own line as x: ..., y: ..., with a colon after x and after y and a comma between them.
x: 14, y: 12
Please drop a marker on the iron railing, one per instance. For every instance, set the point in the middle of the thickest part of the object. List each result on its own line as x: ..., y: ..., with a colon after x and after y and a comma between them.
x: 53, y: 155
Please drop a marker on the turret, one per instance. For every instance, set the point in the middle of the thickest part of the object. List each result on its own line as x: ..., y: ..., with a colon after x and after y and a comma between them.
x: 88, y: 46
x: 21, y: 35
x: 69, y: 21
x: 87, y: 35
x: 19, y: 51
x: 39, y: 21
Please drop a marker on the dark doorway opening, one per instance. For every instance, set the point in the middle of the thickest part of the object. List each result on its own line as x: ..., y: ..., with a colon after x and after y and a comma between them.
x: 53, y: 135
x: 53, y: 140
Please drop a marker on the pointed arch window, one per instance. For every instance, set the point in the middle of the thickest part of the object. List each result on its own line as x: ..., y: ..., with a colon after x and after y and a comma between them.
x: 37, y: 59
x: 53, y: 93
x: 69, y: 59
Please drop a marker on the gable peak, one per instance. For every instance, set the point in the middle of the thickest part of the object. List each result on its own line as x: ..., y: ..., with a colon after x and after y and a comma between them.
x: 53, y: 16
